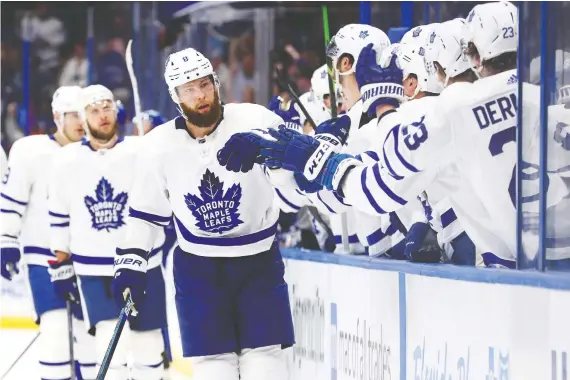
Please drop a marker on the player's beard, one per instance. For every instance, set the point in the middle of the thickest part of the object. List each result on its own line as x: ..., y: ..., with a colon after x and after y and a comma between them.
x: 103, y: 137
x: 204, y: 120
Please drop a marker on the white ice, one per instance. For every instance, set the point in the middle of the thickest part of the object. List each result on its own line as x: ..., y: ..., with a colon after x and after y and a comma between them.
x: 14, y: 341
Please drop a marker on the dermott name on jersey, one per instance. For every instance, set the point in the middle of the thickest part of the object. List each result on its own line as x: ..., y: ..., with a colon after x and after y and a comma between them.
x: 496, y: 110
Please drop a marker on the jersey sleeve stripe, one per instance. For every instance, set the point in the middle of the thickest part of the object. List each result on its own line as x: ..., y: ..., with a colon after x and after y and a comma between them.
x: 55, y: 214
x: 387, y: 162
x: 326, y: 205
x: 386, y: 189
x: 5, y: 211
x: 226, y: 241
x: 66, y: 224
x: 378, y: 235
x: 10, y: 236
x: 92, y: 260
x: 448, y: 217
x: 406, y: 164
x: 151, y: 218
x: 352, y: 239
x: 372, y: 155
x: 286, y: 201
x: 21, y: 203
x: 369, y: 196
x: 29, y: 249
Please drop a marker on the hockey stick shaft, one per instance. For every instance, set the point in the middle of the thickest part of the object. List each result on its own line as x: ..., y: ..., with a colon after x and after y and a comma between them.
x: 334, y: 111
x: 70, y: 338
x: 135, y: 85
x: 125, y: 312
x: 293, y: 94
x: 20, y: 357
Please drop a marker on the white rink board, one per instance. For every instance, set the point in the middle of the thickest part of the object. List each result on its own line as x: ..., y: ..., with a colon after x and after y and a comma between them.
x: 397, y: 320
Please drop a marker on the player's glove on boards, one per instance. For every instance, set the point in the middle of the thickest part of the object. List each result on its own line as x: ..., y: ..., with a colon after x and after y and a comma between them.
x: 130, y: 276
x: 378, y: 85
x: 9, y: 256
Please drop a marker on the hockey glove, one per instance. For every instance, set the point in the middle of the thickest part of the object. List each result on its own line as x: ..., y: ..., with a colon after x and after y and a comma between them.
x: 9, y: 256
x: 306, y: 185
x: 241, y: 151
x: 463, y: 250
x: 64, y: 280
x: 130, y: 276
x: 335, y: 127
x: 378, y: 86
x: 421, y: 244
x: 290, y: 116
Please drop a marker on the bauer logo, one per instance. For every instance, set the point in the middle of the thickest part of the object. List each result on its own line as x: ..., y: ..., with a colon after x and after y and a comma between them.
x: 214, y: 210
x: 106, y: 209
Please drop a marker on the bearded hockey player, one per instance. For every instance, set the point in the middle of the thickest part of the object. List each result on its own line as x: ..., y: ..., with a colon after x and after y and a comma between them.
x: 232, y: 301
x: 25, y: 228
x: 89, y: 195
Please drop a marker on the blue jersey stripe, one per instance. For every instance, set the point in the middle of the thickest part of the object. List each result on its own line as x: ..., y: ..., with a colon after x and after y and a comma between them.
x: 58, y: 215
x: 286, y: 201
x: 10, y: 212
x: 387, y: 162
x: 66, y: 224
x: 407, y: 165
x: 448, y: 217
x: 28, y: 249
x: 372, y: 155
x: 326, y: 205
x: 152, y: 218
x: 21, y: 203
x: 352, y: 239
x: 369, y: 196
x: 385, y: 188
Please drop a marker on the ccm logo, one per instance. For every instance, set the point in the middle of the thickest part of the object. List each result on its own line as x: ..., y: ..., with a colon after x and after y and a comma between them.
x: 128, y: 261
x: 318, y: 157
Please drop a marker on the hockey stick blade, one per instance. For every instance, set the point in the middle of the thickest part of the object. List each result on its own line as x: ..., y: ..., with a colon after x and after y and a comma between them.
x: 125, y: 312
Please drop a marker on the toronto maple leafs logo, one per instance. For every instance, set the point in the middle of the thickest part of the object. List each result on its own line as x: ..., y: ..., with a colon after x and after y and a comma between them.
x: 106, y: 211
x: 416, y: 32
x: 363, y: 34
x: 215, y: 211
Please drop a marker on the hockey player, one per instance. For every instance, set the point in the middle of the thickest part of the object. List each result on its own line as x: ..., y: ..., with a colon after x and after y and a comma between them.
x: 472, y: 124
x: 89, y: 195
x: 232, y: 301
x: 25, y: 227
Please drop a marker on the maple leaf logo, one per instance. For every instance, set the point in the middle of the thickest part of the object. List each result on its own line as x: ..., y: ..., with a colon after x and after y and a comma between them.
x: 416, y: 32
x: 214, y: 210
x: 106, y: 211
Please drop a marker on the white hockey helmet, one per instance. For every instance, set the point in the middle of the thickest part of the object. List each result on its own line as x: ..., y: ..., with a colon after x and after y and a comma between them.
x: 185, y: 66
x: 351, y: 39
x: 94, y: 94
x: 445, y: 47
x: 418, y: 35
x: 320, y: 86
x: 493, y: 29
x: 65, y: 99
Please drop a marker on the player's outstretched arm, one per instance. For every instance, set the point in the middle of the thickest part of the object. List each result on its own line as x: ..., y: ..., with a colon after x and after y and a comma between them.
x: 16, y: 187
x: 149, y: 212
x: 58, y: 204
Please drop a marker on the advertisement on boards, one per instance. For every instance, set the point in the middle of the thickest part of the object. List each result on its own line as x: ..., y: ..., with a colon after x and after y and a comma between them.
x: 460, y: 330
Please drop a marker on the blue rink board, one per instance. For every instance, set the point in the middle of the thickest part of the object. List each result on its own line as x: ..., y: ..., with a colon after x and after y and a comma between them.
x: 549, y: 280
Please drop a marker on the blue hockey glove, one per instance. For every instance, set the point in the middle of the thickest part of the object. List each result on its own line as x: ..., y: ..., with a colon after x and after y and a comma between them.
x: 421, y: 244
x: 130, y: 276
x: 335, y: 127
x: 463, y: 250
x: 290, y: 116
x: 307, y: 155
x: 9, y: 256
x: 306, y: 185
x: 64, y: 280
x: 378, y: 85
x: 241, y: 151
x: 562, y: 135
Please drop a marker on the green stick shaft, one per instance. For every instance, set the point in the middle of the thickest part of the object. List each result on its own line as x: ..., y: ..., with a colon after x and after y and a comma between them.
x: 334, y: 110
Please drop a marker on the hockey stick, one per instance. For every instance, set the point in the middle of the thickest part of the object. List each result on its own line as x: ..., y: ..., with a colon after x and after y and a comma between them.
x: 287, y: 85
x: 134, y: 83
x: 334, y: 110
x: 125, y: 312
x: 19, y: 357
x: 70, y: 338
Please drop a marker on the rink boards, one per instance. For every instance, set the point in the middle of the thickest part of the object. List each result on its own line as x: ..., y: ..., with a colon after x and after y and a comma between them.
x: 361, y: 319
x: 357, y: 318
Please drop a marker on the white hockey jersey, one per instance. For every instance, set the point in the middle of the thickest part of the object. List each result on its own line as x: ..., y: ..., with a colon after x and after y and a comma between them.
x: 89, y: 196
x: 473, y: 126
x: 24, y: 196
x: 316, y: 111
x: 217, y: 213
